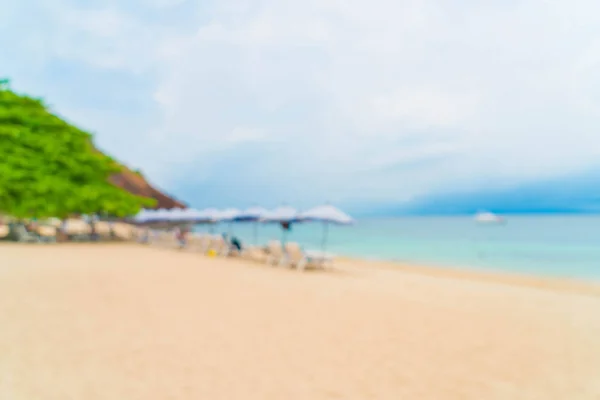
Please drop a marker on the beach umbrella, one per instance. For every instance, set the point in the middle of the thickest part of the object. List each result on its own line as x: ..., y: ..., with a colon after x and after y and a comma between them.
x: 326, y: 214
x: 229, y: 215
x: 211, y: 216
x: 143, y: 216
x: 160, y: 216
x: 284, y: 215
x: 200, y: 217
x: 252, y: 214
x: 177, y: 215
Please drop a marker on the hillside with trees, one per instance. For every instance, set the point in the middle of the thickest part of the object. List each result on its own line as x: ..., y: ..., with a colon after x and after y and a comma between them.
x: 50, y: 168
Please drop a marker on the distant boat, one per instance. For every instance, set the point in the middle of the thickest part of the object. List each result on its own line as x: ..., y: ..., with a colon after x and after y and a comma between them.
x: 485, y: 217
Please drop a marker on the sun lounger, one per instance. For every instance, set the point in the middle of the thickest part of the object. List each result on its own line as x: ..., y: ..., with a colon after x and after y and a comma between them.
x: 253, y: 253
x: 123, y: 231
x: 47, y: 233
x: 162, y: 238
x: 205, y: 242
x: 276, y: 255
x: 197, y: 241
x: 24, y: 236
x: 216, y: 244
x: 103, y: 230
x: 4, y: 232
x: 301, y: 259
x: 77, y: 230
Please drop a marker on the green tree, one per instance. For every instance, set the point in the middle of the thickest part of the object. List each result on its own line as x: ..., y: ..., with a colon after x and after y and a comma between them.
x: 50, y: 168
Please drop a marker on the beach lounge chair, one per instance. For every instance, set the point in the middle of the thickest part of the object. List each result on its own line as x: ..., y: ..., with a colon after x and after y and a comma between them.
x: 77, y: 230
x: 205, y: 242
x: 162, y: 238
x: 103, y: 230
x: 233, y: 247
x: 301, y: 259
x: 47, y: 233
x: 222, y: 246
x: 144, y: 236
x: 123, y: 231
x: 4, y: 232
x: 253, y: 254
x: 200, y: 242
x: 24, y: 236
x: 194, y: 241
x: 215, y: 244
x: 276, y: 255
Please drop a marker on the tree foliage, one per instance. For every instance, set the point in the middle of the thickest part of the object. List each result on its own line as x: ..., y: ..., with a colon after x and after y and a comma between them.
x: 49, y: 168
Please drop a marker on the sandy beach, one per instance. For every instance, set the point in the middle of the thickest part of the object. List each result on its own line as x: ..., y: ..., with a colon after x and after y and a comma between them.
x: 122, y: 321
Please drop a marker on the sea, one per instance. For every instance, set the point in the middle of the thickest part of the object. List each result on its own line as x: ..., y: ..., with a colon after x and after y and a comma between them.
x: 560, y: 246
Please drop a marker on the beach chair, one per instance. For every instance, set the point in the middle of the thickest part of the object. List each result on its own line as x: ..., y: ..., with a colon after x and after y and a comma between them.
x: 223, y: 246
x: 194, y: 241
x: 122, y: 231
x: 216, y: 244
x: 24, y: 236
x: 163, y: 238
x: 276, y: 255
x: 204, y: 242
x: 144, y: 236
x: 253, y: 253
x: 103, y: 230
x: 47, y: 233
x: 77, y: 230
x: 4, y: 232
x: 301, y: 259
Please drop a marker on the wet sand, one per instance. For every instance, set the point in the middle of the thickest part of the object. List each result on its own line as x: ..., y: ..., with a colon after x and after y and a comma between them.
x: 123, y: 321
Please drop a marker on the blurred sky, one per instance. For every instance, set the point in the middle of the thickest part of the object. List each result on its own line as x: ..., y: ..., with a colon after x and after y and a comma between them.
x: 370, y: 105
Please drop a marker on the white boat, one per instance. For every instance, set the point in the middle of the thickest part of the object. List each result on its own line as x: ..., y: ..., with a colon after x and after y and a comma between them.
x: 485, y: 217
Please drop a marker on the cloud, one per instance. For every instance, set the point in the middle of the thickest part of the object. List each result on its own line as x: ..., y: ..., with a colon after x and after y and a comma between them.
x: 242, y: 134
x: 352, y: 102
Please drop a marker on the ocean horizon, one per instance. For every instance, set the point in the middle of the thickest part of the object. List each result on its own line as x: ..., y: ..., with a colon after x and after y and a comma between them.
x: 544, y: 245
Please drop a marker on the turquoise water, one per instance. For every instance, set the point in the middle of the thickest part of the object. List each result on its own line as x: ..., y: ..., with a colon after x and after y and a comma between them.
x: 564, y: 246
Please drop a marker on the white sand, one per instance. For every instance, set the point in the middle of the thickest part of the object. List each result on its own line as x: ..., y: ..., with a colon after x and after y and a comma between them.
x: 124, y: 322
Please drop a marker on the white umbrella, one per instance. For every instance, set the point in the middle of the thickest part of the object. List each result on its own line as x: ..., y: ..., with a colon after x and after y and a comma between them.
x: 282, y: 215
x: 143, y: 216
x: 151, y: 216
x: 252, y: 214
x: 327, y: 214
x: 211, y: 215
x: 160, y: 215
x: 177, y: 215
x: 198, y: 217
x: 229, y: 215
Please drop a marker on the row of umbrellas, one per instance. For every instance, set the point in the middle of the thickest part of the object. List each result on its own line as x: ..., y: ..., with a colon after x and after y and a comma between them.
x: 285, y: 215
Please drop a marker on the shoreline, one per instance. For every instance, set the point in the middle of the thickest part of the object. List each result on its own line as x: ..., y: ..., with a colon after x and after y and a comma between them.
x: 563, y: 284
x: 341, y: 263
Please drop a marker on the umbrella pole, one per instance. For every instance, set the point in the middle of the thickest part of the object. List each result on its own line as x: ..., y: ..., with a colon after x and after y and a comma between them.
x: 256, y: 233
x: 325, y: 234
x: 324, y: 243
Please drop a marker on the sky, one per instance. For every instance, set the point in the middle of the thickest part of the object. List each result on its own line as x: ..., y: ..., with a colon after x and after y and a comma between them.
x: 368, y: 105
